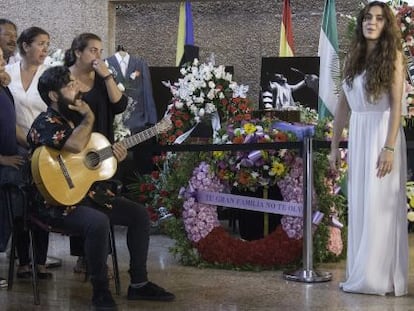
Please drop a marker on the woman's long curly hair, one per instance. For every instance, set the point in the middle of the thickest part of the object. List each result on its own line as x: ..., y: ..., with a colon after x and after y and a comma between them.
x: 380, y: 64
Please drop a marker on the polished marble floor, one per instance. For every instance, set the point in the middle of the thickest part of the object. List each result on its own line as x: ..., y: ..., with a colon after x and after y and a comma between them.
x: 198, y: 289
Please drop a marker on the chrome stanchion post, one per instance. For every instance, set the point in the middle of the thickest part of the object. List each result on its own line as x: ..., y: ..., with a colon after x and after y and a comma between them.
x: 307, y: 274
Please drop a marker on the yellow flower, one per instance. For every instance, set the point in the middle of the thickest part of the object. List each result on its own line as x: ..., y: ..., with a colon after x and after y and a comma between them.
x: 219, y: 155
x: 277, y: 168
x: 412, y: 202
x: 264, y: 154
x: 249, y: 128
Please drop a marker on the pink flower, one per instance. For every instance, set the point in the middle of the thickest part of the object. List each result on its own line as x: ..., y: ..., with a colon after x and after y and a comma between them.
x: 335, y: 244
x: 200, y: 219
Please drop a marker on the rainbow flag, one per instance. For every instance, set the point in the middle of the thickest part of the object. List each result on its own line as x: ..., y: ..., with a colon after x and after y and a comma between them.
x: 286, y: 47
x: 185, y: 34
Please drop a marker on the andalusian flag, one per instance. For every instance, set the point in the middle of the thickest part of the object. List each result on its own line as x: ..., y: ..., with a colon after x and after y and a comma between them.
x: 286, y: 47
x: 185, y: 30
x: 329, y: 62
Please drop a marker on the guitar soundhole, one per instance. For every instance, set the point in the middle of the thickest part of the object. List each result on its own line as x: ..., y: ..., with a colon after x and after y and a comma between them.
x: 92, y: 159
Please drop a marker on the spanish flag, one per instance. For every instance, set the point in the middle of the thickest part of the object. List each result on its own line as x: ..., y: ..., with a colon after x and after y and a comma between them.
x: 286, y: 47
x: 185, y: 35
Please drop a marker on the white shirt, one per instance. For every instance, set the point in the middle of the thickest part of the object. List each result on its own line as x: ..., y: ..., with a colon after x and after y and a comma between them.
x: 14, y: 58
x: 123, y: 61
x: 28, y: 103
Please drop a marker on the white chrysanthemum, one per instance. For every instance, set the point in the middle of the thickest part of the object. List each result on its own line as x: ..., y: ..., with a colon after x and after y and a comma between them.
x: 209, y: 76
x: 232, y: 85
x: 179, y: 104
x: 220, y: 72
x: 198, y: 100
x: 210, y: 108
x: 211, y: 94
x: 201, y: 112
x: 211, y: 85
x: 194, y: 110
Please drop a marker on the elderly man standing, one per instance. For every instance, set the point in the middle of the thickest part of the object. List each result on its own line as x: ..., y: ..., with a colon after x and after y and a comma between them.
x: 8, y: 37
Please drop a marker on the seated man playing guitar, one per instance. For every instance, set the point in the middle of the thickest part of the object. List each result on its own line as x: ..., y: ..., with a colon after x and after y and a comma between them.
x: 56, y: 131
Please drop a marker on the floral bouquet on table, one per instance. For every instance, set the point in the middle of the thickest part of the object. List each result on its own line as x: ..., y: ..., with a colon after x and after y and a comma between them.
x: 205, y: 92
x: 249, y: 170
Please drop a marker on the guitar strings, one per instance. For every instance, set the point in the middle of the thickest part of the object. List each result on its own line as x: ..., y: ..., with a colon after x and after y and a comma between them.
x: 93, y: 158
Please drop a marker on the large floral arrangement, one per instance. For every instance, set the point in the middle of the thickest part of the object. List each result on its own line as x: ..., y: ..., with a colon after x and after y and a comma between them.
x: 204, y: 92
x: 201, y: 240
x: 248, y: 170
x: 215, y: 245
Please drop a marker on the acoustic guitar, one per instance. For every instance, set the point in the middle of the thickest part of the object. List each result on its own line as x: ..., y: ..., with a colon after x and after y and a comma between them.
x: 64, y: 178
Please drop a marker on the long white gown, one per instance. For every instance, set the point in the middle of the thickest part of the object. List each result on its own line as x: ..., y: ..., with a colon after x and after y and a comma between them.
x: 377, y: 258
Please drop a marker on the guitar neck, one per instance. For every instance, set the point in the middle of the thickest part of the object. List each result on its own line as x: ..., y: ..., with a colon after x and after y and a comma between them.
x: 139, y: 137
x: 106, y: 153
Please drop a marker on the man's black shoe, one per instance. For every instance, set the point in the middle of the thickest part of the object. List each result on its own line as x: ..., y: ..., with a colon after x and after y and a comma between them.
x: 149, y: 291
x: 102, y: 301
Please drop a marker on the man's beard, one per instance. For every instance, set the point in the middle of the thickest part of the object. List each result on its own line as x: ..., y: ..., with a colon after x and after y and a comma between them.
x: 69, y: 114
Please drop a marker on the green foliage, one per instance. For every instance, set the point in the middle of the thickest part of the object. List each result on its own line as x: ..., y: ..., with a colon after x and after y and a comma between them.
x: 182, y: 249
x: 326, y: 203
x: 180, y: 170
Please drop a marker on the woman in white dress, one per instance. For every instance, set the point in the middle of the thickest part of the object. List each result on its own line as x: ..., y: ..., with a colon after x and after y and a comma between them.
x: 33, y: 44
x: 377, y: 258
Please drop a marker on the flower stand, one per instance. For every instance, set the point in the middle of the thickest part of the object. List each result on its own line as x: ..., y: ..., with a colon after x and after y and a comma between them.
x: 252, y: 223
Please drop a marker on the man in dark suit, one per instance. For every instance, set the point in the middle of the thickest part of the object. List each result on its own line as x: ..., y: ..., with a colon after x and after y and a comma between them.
x: 133, y: 73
